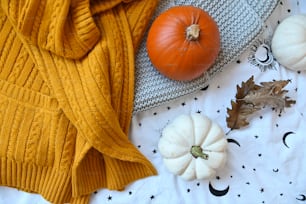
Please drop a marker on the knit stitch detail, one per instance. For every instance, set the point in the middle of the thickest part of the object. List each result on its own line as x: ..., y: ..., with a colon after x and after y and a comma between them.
x: 60, y: 26
x: 239, y: 22
x: 27, y: 96
x: 137, y: 20
x: 100, y: 6
x: 66, y: 98
x: 50, y: 183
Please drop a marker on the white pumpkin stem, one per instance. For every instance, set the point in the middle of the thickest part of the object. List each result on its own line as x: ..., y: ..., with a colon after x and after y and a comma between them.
x: 197, y: 151
x: 193, y: 32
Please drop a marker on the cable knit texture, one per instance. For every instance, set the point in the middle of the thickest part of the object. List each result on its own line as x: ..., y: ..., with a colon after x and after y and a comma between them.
x: 66, y: 95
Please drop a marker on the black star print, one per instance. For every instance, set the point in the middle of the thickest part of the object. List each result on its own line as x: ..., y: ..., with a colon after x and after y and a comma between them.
x: 130, y: 192
x: 198, y: 184
x: 188, y: 190
x: 195, y: 98
x: 109, y: 197
x: 262, y: 190
x: 183, y: 104
x: 139, y: 146
x: 154, y: 113
x: 154, y: 151
x: 168, y: 107
x: 199, y: 111
x: 139, y: 124
x: 152, y: 197
x: 259, y: 154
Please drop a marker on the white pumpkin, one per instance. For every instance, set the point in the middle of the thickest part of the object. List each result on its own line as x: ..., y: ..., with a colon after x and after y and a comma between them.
x: 289, y: 42
x: 193, y: 147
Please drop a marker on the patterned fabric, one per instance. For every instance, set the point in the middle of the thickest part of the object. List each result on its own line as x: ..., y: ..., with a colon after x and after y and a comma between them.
x: 239, y: 23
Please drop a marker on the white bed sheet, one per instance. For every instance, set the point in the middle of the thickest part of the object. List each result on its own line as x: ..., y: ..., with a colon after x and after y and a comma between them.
x: 261, y: 169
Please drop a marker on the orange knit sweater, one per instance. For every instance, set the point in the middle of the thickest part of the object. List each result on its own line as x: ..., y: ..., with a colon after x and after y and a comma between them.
x: 66, y: 95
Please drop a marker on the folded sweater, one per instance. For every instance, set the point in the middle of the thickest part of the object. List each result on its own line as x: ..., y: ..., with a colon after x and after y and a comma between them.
x: 66, y: 95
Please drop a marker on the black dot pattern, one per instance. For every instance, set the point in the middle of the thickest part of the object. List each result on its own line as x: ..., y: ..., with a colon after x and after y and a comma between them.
x: 264, y: 163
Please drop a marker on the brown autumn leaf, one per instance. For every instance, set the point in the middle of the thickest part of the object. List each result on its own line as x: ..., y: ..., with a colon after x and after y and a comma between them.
x: 270, y: 94
x: 251, y: 97
x: 238, y: 115
x: 240, y: 110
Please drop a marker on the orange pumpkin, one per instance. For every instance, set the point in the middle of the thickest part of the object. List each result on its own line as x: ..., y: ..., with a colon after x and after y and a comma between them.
x: 183, y: 42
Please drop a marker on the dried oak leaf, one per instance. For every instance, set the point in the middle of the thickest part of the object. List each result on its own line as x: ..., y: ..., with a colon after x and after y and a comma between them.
x: 270, y: 94
x: 238, y: 115
x: 240, y: 110
x: 251, y: 97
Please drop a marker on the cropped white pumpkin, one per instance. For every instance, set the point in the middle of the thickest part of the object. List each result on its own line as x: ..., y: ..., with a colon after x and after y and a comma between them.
x: 289, y: 42
x: 193, y: 147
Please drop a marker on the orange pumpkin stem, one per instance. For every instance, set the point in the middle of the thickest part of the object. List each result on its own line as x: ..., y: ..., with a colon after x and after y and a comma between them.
x: 193, y: 32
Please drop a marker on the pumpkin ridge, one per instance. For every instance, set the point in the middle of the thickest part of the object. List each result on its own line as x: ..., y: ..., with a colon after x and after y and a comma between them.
x: 204, y: 132
x: 173, y: 128
x: 184, y: 163
x: 189, y: 163
x: 215, y: 156
x: 216, y: 137
x: 214, y: 146
x: 186, y: 156
x: 166, y: 148
x: 296, y: 59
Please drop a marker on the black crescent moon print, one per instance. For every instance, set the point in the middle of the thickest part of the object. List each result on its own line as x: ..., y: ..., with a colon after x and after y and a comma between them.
x: 275, y: 170
x: 301, y: 197
x: 285, y: 136
x: 216, y: 192
x: 265, y: 162
x: 230, y: 140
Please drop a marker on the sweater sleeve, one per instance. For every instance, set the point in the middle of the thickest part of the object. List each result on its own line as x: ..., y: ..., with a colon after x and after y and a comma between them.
x: 65, y: 28
x: 96, y: 93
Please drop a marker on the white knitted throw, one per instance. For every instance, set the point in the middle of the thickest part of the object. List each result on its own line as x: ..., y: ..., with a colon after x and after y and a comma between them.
x: 239, y: 21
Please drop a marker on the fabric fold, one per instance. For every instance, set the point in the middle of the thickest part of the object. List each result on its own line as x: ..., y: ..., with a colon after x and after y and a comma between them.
x: 65, y: 28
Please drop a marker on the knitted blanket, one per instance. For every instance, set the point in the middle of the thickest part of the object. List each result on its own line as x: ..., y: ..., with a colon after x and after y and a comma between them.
x: 239, y: 21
